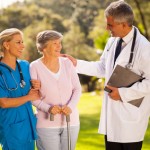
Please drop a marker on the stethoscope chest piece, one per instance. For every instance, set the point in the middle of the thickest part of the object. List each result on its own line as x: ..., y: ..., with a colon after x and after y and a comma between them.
x: 22, y: 84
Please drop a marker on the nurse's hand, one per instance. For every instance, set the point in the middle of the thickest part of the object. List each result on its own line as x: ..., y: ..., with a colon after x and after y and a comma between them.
x: 34, y: 94
x: 74, y: 61
x: 66, y: 110
x: 55, y: 110
x: 36, y: 84
x: 114, y: 94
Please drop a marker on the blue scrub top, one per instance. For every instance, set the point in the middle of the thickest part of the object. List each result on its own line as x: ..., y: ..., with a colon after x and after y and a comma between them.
x: 17, y: 124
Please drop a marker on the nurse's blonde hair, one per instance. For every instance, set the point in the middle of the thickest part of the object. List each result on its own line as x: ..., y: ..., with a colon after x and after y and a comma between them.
x: 7, y: 35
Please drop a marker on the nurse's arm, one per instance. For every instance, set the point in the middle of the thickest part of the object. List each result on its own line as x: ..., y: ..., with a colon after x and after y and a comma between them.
x: 15, y: 102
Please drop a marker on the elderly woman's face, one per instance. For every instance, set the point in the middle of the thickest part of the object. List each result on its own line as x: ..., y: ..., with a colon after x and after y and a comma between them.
x: 54, y: 47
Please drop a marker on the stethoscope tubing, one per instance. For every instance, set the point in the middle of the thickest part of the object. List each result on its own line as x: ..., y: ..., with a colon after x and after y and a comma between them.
x: 22, y: 82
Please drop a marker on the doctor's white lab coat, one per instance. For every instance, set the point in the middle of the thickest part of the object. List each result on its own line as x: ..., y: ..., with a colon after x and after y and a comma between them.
x: 121, y: 121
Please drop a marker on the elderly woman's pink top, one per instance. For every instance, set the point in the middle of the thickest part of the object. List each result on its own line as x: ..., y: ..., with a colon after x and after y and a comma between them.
x: 65, y: 89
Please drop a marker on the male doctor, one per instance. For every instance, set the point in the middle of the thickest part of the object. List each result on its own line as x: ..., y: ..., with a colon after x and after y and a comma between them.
x: 123, y: 124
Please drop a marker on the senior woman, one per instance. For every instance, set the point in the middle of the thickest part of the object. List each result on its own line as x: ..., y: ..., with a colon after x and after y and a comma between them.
x: 60, y: 92
x: 17, y: 121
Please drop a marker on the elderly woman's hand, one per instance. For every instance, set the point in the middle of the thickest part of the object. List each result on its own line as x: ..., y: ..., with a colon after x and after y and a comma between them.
x: 66, y: 110
x: 55, y: 110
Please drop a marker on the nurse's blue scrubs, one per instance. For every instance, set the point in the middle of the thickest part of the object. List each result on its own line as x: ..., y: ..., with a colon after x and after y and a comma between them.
x: 18, y: 124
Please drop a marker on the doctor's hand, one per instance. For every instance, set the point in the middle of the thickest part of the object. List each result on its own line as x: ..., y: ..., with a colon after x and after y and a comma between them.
x: 114, y: 94
x: 66, y: 110
x: 74, y: 61
x: 36, y: 84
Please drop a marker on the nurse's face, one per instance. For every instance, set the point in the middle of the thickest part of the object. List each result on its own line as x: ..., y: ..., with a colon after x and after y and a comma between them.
x: 15, y: 46
x: 53, y: 48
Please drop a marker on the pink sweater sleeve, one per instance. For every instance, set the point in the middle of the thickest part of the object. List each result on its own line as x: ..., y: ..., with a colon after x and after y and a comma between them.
x: 39, y: 104
x: 76, y: 91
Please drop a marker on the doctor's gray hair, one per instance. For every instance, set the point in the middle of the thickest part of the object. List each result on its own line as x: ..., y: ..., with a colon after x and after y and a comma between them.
x: 7, y: 35
x: 44, y: 37
x: 121, y: 12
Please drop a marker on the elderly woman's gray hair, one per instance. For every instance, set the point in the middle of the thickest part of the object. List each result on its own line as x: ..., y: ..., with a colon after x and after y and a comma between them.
x: 44, y: 37
x: 7, y: 35
x: 121, y: 12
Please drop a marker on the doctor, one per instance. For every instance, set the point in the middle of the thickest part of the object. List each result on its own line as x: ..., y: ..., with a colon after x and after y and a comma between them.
x: 17, y: 121
x: 124, y: 125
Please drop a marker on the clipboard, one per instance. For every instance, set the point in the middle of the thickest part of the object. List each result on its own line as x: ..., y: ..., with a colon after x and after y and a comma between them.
x: 124, y: 77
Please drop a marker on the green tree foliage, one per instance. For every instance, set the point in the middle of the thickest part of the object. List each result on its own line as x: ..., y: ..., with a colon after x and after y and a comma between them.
x: 74, y: 44
x: 31, y: 19
x: 62, y: 7
x: 142, y: 16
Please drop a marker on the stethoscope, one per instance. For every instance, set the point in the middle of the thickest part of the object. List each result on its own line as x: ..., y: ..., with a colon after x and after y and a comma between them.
x: 22, y: 82
x: 129, y: 65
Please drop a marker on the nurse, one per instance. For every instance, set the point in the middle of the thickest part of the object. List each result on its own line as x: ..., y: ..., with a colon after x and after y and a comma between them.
x: 17, y: 121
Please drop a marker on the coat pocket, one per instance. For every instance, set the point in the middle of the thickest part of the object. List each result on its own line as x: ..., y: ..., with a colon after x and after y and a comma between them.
x: 129, y: 113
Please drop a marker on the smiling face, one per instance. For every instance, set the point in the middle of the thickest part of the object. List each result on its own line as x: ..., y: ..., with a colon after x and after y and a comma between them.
x: 116, y: 29
x: 53, y: 48
x: 15, y: 46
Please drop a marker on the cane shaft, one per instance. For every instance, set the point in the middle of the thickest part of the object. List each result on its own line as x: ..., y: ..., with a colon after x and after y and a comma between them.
x: 51, y: 117
x: 68, y: 131
x: 68, y: 118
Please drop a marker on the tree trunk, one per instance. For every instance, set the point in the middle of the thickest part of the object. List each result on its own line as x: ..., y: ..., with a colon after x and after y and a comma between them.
x: 142, y: 18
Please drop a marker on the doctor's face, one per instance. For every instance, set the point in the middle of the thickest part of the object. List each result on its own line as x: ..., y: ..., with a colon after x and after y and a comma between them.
x: 53, y: 48
x: 15, y: 46
x: 115, y: 28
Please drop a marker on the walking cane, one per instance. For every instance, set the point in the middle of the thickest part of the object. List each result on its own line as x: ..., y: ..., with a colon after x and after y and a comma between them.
x: 68, y: 131
x: 68, y: 128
